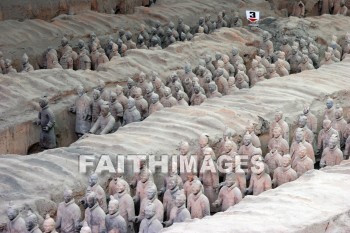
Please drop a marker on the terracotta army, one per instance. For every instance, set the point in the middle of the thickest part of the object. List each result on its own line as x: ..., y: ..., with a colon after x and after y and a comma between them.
x: 141, y: 43
x: 179, y: 212
x: 314, y: 54
x: 129, y: 43
x: 131, y: 114
x: 175, y: 34
x: 241, y: 180
x: 279, y: 142
x: 116, y: 110
x: 26, y: 66
x: 231, y: 147
x: 114, y: 221
x: 339, y: 124
x: 228, y: 66
x: 191, y: 177
x: 281, y: 123
x: 131, y: 87
x: 181, y: 98
x: 311, y: 119
x: 298, y: 9
x: 149, y: 93
x: 84, y: 61
x: 209, y: 177
x: 210, y: 25
x: 96, y: 105
x: 32, y: 224
x: 8, y: 67
x: 220, y: 21
x: 218, y: 57
x: 46, y: 119
x: 300, y: 141
x: 304, y: 163
x: 66, y: 60
x: 103, y: 92
x: 144, y: 33
x: 114, y: 55
x: 142, y: 184
x: 327, y: 60
x: 185, y: 158
x: 236, y: 21
x: 284, y: 173
x: 82, y: 109
x: 325, y: 135
x: 85, y: 228
x: 81, y: 47
x: 259, y: 181
x: 262, y: 63
x: 203, y: 142
x: 202, y: 26
x: 305, y: 64
x: 170, y: 195
x: 65, y: 47
x: 142, y: 83
x: 155, y: 104
x: 174, y: 82
x: 308, y: 134
x: 168, y: 100
x: 155, y: 44
x: 213, y: 91
x: 102, y: 58
x: 94, y: 214
x: 231, y: 86
x: 187, y: 76
x: 140, y: 103
x: 51, y: 59
x: 253, y: 72
x: 247, y: 149
x: 117, y: 178
x: 294, y: 60
x: 267, y: 44
x: 94, y: 39
x: 197, y: 97
x: 271, y: 72
x: 151, y: 198
x: 98, y: 190
x: 273, y: 160
x: 94, y: 56
x: 105, y: 123
x: 235, y: 58
x: 209, y: 64
x: 285, y: 47
x: 159, y: 87
x: 331, y: 155
x: 240, y: 80
x: 49, y: 225
x: 197, y: 203
x: 150, y: 224
x: 68, y: 214
x: 221, y: 81
x: 280, y: 68
x: 260, y: 76
x: 126, y: 205
x: 329, y: 111
x: 229, y: 194
x: 16, y: 223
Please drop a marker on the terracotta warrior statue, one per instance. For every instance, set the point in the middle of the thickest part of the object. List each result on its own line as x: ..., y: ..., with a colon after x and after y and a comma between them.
x: 140, y: 103
x: 16, y: 223
x: 170, y: 195
x: 305, y: 64
x: 232, y: 89
x: 181, y: 98
x: 302, y: 124
x: 273, y: 160
x: 267, y: 44
x: 300, y: 141
x: 325, y: 135
x: 184, y: 159
x: 131, y: 114
x: 149, y: 93
x: 129, y: 42
x: 32, y: 224
x: 68, y: 214
x: 82, y: 109
x: 228, y: 66
x: 285, y: 47
x: 259, y: 181
x: 121, y: 98
x: 84, y: 61
x: 284, y: 173
x: 271, y: 72
x: 96, y: 105
x: 253, y: 72
x: 327, y: 60
x: 331, y: 155
x: 117, y: 178
x: 280, y: 68
x: 8, y: 67
x: 235, y: 58
x: 102, y: 58
x: 27, y: 67
x: 116, y: 110
x: 221, y: 81
x: 229, y: 194
x: 126, y: 205
x: 227, y: 146
x: 155, y: 104
x: 311, y: 121
x: 46, y: 119
x: 103, y: 92
x: 304, y: 163
x: 49, y: 225
x: 94, y: 56
x: 168, y: 100
x: 179, y: 213
x: 278, y: 142
x: 294, y: 60
x: 247, y: 148
x: 142, y: 184
x: 85, y: 228
x: 114, y: 221
x: 94, y: 215
x: 250, y: 128
x: 213, y: 91
x: 197, y: 203
x: 66, y: 60
x: 150, y: 224
x: 339, y: 124
x: 197, y: 97
x: 105, y: 123
x: 282, y: 124
x: 241, y: 81
x: 190, y: 178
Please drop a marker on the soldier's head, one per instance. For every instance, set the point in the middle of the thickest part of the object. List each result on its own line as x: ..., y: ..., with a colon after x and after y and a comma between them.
x: 31, y: 221
x: 68, y: 195
x: 113, y: 205
x: 150, y: 211
x: 12, y: 211
x: 286, y: 160
x: 96, y: 94
x: 91, y: 199
x: 49, y: 224
x: 180, y: 200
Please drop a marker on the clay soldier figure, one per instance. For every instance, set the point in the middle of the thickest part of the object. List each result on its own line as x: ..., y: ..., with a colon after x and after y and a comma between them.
x: 294, y: 60
x: 209, y: 24
x: 227, y: 149
x: 142, y: 184
x: 129, y: 43
x: 247, y: 148
x: 285, y: 47
x: 168, y: 100
x: 311, y: 119
x: 209, y: 175
x: 175, y: 34
x: 273, y: 160
x: 300, y: 141
x: 342, y: 10
x: 255, y: 139
x: 155, y: 44
x: 235, y: 58
x: 2, y: 63
x: 228, y: 66
x: 46, y: 119
x: 140, y: 43
x: 180, y: 25
x: 253, y: 72
x: 117, y: 178
x: 201, y: 23
x: 94, y: 39
x: 103, y: 92
x: 131, y: 114
x: 298, y: 9
x: 151, y: 198
x: 160, y: 88
x: 94, y: 214
x: 49, y: 225
x: 81, y: 47
x: 213, y: 92
x: 102, y: 58
x: 203, y: 142
x: 259, y: 181
x: 66, y: 60
x: 186, y: 158
x: 197, y: 97
x: 240, y: 80
x: 236, y: 21
x: 94, y: 56
x: 98, y: 190
x: 116, y: 110
x: 229, y: 194
x: 170, y: 195
x: 220, y: 22
x: 278, y: 142
x: 325, y: 135
x: 105, y: 123
x: 282, y: 124
x: 126, y: 205
x: 96, y: 105
x: 190, y: 177
x: 308, y: 134
x: 27, y: 67
x: 32, y: 224
x: 181, y: 98
x: 114, y: 221
x: 221, y: 82
x: 85, y: 228
x: 8, y: 67
x: 197, y: 203
x: 281, y: 69
x: 327, y: 60
x: 260, y: 76
x: 150, y: 224
x: 305, y: 64
x: 141, y: 103
x: 329, y: 111
x: 284, y: 173
x: 51, y: 59
x: 149, y: 93
x: 267, y: 44
x: 304, y: 163
x: 271, y: 72
x: 65, y: 47
x: 84, y: 61
x: 142, y: 83
x: 174, y: 81
x: 131, y: 87
x: 231, y: 86
x: 68, y: 214
x: 331, y: 155
x: 82, y: 109
x: 179, y: 213
x: 339, y: 124
x: 16, y: 223
x: 155, y: 104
